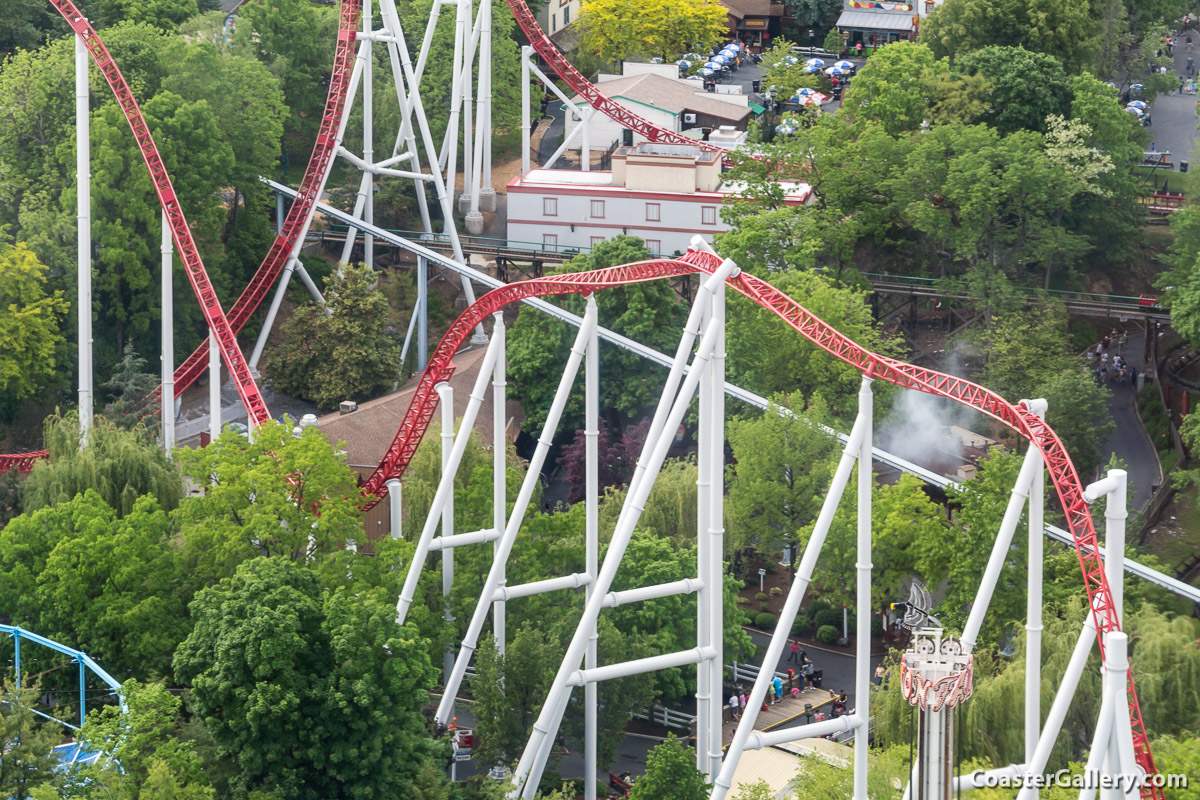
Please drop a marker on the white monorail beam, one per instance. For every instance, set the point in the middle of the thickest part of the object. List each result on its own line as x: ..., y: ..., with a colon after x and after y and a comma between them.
x: 591, y: 533
x: 760, y: 739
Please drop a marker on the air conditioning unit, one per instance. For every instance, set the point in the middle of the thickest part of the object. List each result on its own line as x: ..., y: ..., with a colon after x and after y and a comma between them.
x: 347, y: 407
x: 689, y: 119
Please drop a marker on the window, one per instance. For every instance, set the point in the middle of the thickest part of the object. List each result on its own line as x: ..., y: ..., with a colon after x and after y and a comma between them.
x: 653, y: 212
x: 549, y: 206
x: 553, y: 22
x: 654, y: 246
x: 598, y: 209
x: 549, y: 240
x: 566, y: 16
x: 708, y: 215
x: 597, y: 240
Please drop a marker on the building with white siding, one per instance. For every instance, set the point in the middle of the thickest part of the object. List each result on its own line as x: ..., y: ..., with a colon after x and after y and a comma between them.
x: 663, y: 194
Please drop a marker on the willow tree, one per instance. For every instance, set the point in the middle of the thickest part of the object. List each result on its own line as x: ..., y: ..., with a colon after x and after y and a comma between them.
x: 121, y: 465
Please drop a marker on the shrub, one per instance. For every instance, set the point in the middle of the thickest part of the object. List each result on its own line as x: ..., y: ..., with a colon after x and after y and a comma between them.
x: 816, y: 607
x: 827, y: 634
x: 828, y: 616
x: 760, y: 596
x: 764, y: 606
x: 876, y: 625
x: 765, y: 621
x: 776, y: 591
x: 803, y: 626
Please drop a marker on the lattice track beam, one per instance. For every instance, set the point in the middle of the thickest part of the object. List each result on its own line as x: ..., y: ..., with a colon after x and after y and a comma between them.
x: 247, y: 389
x: 307, y: 195
x: 1021, y: 419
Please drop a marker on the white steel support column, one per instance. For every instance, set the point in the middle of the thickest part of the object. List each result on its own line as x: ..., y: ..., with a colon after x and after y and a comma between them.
x: 499, y: 470
x: 591, y: 494
x: 654, y: 452
x: 468, y: 92
x: 862, y: 659
x: 269, y: 322
x: 485, y: 193
x: 214, y: 386
x: 396, y: 507
x: 448, y: 157
x: 83, y: 213
x: 470, y: 639
x: 167, y: 301
x: 1115, y: 485
x: 445, y: 488
x: 368, y: 93
x: 804, y: 572
x: 1000, y: 548
x: 422, y: 313
x: 706, y: 693
x: 1033, y: 607
x: 585, y: 152
x: 1058, y: 709
x: 446, y: 399
x: 526, y: 123
x: 715, y: 534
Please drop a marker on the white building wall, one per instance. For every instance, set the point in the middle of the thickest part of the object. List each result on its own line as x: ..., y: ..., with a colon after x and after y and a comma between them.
x: 574, y: 225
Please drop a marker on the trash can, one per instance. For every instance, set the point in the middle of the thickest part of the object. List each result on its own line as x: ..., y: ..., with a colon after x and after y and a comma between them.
x: 817, y: 675
x: 1183, y: 166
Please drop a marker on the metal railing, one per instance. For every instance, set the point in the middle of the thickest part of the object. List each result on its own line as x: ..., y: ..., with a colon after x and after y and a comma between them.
x: 667, y: 717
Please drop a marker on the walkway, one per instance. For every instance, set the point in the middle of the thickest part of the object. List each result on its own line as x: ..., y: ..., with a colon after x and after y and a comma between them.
x: 1129, y: 440
x: 1173, y: 117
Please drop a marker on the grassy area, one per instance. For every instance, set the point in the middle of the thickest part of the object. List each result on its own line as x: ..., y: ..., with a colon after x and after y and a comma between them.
x: 1175, y: 180
x: 1154, y: 417
x: 1169, y: 460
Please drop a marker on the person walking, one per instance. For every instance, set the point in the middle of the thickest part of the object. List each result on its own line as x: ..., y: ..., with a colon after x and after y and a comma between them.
x: 734, y: 706
x: 742, y: 695
x: 794, y: 657
x: 777, y: 685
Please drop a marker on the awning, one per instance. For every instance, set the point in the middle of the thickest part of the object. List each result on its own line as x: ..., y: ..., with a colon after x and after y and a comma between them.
x: 874, y: 21
x: 756, y: 108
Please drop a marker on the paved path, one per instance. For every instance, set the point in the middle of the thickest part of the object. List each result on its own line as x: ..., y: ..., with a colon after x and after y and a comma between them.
x: 1129, y: 440
x: 1173, y: 116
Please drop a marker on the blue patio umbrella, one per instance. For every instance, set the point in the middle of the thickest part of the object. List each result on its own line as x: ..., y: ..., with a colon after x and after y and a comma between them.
x: 1138, y: 104
x: 844, y: 64
x: 836, y: 71
x: 815, y: 62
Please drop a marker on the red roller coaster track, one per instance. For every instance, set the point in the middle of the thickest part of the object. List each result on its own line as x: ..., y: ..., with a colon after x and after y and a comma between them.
x: 226, y: 336
x: 1019, y: 418
x: 424, y: 403
x: 314, y: 175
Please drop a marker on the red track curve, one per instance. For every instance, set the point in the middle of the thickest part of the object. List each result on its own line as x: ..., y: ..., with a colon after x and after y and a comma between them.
x: 1019, y: 418
x: 231, y: 353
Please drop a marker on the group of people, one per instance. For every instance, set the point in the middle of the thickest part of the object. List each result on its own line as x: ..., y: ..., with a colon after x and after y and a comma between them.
x: 1107, y: 360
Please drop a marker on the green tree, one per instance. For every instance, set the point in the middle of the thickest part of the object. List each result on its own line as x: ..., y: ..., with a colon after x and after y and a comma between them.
x: 650, y: 313
x: 616, y: 31
x: 164, y: 14
x: 769, y: 357
x: 28, y: 323
x: 346, y: 354
x: 890, y: 88
x: 1066, y: 31
x: 1079, y: 413
x: 834, y: 43
x: 509, y: 689
x: 278, y: 495
x: 671, y: 774
x: 1177, y: 756
x: 131, y: 388
x: 198, y: 159
x: 106, y: 584
x: 121, y: 465
x: 819, y: 780
x: 782, y: 465
x: 27, y: 743
x: 1026, y: 87
x: 10, y: 496
x: 322, y: 693
x: 145, y: 756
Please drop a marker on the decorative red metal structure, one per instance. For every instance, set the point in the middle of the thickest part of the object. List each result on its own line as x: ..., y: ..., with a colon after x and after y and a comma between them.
x: 1018, y: 417
x: 185, y: 246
